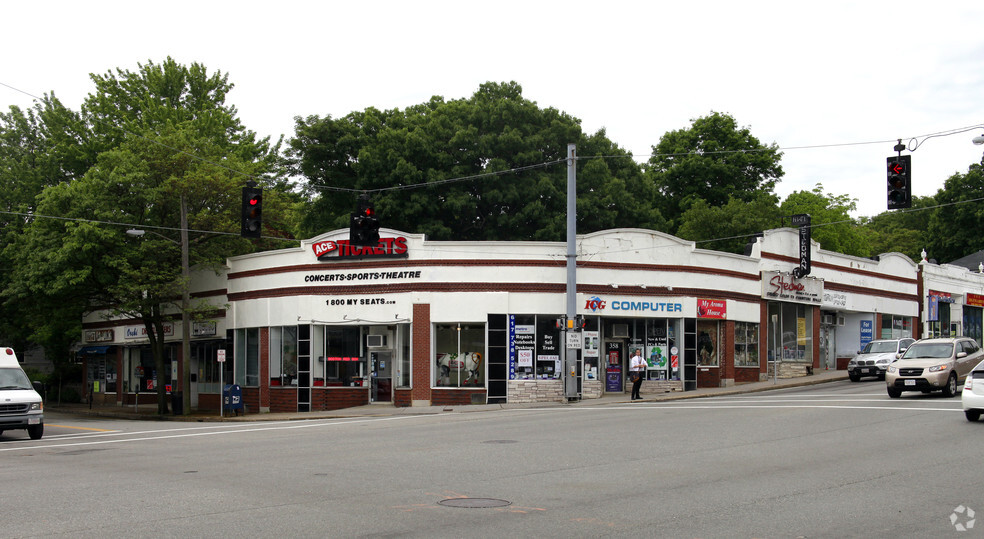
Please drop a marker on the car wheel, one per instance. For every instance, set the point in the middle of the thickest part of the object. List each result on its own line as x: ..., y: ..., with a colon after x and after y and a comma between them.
x: 972, y: 415
x: 854, y: 377
x: 951, y: 386
x: 894, y: 393
x: 35, y: 431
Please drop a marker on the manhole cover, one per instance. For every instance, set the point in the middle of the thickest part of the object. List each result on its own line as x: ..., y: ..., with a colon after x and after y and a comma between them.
x: 473, y: 503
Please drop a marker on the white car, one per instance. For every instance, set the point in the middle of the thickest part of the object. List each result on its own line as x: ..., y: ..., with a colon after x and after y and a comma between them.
x: 972, y: 396
x: 874, y: 358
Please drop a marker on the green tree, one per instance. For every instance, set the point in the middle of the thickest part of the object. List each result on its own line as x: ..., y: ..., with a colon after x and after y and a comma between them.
x: 163, y: 135
x: 830, y: 218
x: 732, y: 226
x: 955, y: 225
x: 900, y: 231
x: 510, y: 152
x: 714, y: 160
x: 40, y: 147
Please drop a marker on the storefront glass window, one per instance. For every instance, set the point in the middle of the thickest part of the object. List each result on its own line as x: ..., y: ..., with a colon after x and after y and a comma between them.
x: 746, y: 344
x: 343, y: 365
x: 459, y: 349
x: 896, y: 327
x: 248, y: 357
x: 657, y: 350
x: 790, y: 332
x: 210, y: 378
x: 972, y: 323
x: 708, y: 343
x: 283, y: 356
x: 403, y: 349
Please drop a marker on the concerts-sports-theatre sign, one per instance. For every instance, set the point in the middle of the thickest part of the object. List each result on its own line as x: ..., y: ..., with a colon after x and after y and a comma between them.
x: 329, y: 250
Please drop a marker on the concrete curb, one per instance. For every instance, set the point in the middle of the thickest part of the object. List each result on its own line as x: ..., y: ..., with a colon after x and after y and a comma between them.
x: 149, y: 411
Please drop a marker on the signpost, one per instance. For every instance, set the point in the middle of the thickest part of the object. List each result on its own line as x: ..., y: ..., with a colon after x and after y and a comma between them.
x: 220, y: 356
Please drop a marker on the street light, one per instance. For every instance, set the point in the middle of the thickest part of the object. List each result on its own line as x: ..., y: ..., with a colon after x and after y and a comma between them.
x: 185, y: 305
x: 978, y: 140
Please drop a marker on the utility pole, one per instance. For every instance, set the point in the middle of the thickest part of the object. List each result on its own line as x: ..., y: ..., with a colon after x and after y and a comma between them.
x: 185, y: 305
x: 569, y: 355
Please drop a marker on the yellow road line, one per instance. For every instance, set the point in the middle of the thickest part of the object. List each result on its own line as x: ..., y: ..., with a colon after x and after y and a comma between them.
x: 80, y: 428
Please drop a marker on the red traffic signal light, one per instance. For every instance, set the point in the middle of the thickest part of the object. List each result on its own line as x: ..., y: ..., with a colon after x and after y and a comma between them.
x: 363, y: 225
x: 899, y: 182
x: 252, y: 212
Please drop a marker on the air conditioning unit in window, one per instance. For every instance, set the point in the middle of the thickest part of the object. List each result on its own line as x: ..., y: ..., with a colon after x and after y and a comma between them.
x: 620, y: 331
x: 840, y: 320
x: 828, y: 320
x: 375, y: 341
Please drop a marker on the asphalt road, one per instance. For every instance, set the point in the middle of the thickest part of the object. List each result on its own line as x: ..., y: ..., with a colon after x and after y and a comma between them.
x: 834, y: 460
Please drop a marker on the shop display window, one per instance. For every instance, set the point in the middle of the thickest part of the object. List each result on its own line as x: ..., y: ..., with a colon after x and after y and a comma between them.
x: 896, y: 327
x: 660, y: 341
x: 283, y: 356
x: 343, y: 364
x: 790, y: 332
x: 746, y: 344
x: 708, y: 343
x: 972, y: 323
x: 459, y: 353
x: 535, y: 342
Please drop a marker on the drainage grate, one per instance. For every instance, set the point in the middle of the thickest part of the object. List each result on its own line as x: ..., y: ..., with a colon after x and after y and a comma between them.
x: 473, y: 503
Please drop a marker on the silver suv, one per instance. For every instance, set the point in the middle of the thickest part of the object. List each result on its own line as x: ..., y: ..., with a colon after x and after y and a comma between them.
x: 874, y: 358
x: 933, y: 365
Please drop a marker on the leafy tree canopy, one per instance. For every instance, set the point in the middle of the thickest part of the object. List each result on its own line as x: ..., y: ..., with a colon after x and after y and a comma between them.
x: 955, y: 225
x: 509, y: 151
x: 732, y: 226
x: 160, y: 139
x: 830, y: 218
x: 900, y: 231
x: 714, y: 160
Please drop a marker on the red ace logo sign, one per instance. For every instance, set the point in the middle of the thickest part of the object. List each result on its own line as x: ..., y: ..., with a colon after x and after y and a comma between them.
x: 342, y: 249
x: 323, y: 247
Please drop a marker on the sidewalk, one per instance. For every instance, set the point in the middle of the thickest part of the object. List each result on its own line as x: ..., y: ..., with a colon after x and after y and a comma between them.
x: 149, y: 411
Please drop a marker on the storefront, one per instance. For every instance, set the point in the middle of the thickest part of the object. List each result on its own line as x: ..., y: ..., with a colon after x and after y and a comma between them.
x: 327, y: 325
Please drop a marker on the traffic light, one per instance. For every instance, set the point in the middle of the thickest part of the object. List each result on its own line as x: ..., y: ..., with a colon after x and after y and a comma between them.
x: 252, y: 212
x: 899, y: 182
x: 363, y: 225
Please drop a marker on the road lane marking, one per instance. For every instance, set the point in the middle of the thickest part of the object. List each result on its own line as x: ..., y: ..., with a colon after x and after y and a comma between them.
x: 256, y: 427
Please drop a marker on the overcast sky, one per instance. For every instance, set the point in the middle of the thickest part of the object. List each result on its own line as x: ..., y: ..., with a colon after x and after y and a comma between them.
x: 832, y: 83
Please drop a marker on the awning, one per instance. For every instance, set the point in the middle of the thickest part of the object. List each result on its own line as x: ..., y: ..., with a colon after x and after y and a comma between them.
x: 95, y: 350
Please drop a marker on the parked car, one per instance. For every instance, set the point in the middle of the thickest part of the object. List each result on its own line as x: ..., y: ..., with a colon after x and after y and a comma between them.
x: 933, y: 365
x: 874, y: 358
x: 972, y: 396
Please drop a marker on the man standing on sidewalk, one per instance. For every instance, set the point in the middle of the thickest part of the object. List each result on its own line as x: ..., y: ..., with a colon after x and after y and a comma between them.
x: 637, y: 369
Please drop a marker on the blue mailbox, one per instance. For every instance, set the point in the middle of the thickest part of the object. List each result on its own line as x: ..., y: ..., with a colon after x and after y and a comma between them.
x: 232, y: 398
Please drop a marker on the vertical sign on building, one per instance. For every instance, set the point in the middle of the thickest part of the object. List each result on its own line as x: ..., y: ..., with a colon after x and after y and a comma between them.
x: 802, y: 220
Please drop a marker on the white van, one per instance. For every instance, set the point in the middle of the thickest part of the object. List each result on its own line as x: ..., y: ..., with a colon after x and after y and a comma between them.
x: 20, y: 404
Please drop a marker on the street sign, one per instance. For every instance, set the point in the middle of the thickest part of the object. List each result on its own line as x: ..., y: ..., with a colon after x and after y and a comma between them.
x: 574, y: 340
x: 220, y: 356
